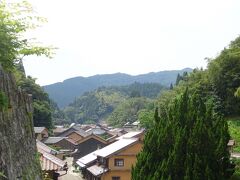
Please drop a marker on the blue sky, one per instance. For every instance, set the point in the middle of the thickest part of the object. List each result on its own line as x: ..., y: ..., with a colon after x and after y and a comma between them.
x: 130, y: 36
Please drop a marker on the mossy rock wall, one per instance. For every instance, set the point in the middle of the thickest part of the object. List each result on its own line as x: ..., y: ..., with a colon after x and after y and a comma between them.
x: 18, y: 155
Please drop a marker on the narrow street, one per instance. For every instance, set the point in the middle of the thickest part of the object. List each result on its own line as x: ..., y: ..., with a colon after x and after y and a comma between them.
x: 70, y: 175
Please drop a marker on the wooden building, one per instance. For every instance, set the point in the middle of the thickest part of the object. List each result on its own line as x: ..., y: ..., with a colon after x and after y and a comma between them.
x: 49, y: 161
x: 58, y: 130
x: 76, y: 136
x: 63, y: 143
x: 88, y: 145
x: 40, y: 133
x: 70, y: 130
x: 115, y: 161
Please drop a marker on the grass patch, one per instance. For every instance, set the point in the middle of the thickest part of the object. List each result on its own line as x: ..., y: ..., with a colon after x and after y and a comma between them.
x: 234, y: 130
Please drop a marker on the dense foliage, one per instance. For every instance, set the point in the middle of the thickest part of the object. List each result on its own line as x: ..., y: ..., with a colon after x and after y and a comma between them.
x: 15, y: 20
x: 42, y: 110
x: 234, y: 131
x: 191, y: 130
x: 220, y: 80
x: 117, y: 104
x: 189, y: 143
x: 149, y: 90
x: 93, y: 106
x: 128, y: 111
x: 224, y: 74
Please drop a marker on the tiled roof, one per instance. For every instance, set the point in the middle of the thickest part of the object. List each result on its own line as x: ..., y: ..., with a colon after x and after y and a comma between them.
x: 85, y: 160
x: 117, y: 131
x: 81, y: 133
x: 97, y: 131
x: 39, y: 130
x: 47, y: 160
x: 92, y: 136
x: 71, y: 141
x: 131, y: 134
x: 116, y: 146
x: 53, y: 140
x: 59, y: 129
x: 50, y: 162
x: 46, y: 148
x: 73, y: 129
x: 97, y: 170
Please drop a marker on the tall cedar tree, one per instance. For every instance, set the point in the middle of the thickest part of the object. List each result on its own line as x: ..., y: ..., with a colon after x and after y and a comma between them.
x: 189, y: 143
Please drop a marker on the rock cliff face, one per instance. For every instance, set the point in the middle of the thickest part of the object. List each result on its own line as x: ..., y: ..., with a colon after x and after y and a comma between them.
x: 18, y: 155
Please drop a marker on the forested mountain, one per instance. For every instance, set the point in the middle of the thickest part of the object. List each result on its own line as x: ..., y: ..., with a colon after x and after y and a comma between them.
x: 65, y: 92
x: 190, y: 134
x: 116, y: 104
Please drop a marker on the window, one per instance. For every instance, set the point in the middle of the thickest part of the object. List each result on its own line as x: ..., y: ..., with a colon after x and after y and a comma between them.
x: 118, y: 162
x: 101, y: 160
x: 115, y: 178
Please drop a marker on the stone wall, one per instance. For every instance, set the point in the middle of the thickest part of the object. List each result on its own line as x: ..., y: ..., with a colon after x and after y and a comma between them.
x: 18, y: 155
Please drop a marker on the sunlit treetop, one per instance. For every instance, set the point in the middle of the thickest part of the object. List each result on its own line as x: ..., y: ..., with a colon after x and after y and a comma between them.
x: 15, y: 20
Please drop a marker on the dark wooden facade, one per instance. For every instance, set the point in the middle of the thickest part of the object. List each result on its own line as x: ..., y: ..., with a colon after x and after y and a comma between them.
x: 88, y: 146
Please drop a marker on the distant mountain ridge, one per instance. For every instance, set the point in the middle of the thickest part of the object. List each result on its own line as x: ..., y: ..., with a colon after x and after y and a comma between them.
x: 65, y: 92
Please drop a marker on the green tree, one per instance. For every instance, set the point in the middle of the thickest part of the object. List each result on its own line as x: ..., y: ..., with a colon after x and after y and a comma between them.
x: 135, y: 93
x: 145, y: 118
x: 42, y: 114
x: 127, y: 111
x: 189, y: 143
x: 224, y: 77
x: 15, y: 20
x: 237, y: 93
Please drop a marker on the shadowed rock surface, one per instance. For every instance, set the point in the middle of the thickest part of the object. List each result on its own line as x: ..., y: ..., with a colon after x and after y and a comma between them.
x: 18, y: 155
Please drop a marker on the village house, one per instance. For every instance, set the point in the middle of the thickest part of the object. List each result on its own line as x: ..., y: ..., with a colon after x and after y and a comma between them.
x: 58, y: 130
x: 61, y: 143
x: 113, y: 161
x: 117, y: 131
x: 78, y: 133
x: 40, y: 133
x: 49, y: 161
x: 133, y: 134
x: 88, y: 145
x: 76, y: 136
x: 134, y: 125
x: 49, y: 150
x: 87, y: 161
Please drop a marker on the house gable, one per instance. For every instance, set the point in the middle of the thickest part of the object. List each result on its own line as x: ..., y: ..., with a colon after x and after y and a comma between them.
x: 87, y: 146
x: 92, y: 136
x: 75, y: 136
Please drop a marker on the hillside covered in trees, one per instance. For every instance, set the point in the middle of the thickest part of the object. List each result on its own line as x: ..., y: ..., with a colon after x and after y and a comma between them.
x: 116, y: 104
x: 190, y: 133
x: 63, y: 93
